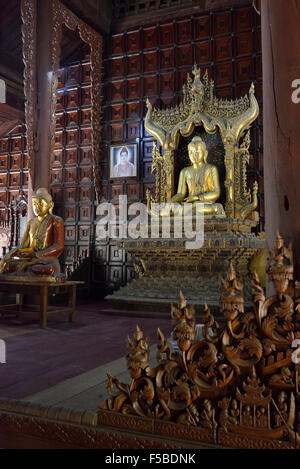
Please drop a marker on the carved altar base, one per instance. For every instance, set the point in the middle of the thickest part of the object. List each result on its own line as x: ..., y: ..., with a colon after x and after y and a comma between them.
x: 165, y: 266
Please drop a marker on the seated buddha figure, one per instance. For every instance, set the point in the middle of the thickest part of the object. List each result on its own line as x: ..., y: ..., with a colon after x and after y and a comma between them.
x: 199, y: 182
x: 41, y: 245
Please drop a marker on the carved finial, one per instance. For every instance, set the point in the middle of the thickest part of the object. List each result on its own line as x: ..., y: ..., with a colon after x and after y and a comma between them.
x: 196, y: 71
x: 137, y: 353
x: 231, y: 273
x: 183, y: 323
x: 232, y: 301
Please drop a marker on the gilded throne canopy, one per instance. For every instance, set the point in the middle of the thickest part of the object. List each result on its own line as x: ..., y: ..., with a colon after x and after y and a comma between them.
x: 200, y: 112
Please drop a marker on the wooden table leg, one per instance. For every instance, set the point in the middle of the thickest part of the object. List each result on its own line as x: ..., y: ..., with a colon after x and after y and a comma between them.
x: 72, y: 302
x: 19, y: 301
x: 43, y: 306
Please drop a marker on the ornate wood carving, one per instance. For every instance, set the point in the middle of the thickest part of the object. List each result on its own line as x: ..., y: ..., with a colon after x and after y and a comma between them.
x: 60, y: 427
x: 62, y: 15
x: 239, y: 382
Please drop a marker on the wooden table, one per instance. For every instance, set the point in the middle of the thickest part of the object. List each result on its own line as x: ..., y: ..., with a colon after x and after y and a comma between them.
x: 43, y: 290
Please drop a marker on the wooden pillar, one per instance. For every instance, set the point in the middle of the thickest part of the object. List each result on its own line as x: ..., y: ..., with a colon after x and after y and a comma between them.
x: 38, y: 88
x: 281, y: 118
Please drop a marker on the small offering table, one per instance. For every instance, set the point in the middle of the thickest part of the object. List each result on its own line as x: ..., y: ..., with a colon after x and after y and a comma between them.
x: 43, y: 289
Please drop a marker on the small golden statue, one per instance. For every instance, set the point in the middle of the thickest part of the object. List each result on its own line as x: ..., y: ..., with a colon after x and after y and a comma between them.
x: 199, y: 182
x: 41, y: 245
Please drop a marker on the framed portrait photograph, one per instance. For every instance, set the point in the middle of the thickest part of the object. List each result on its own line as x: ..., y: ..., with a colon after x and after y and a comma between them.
x: 123, y: 161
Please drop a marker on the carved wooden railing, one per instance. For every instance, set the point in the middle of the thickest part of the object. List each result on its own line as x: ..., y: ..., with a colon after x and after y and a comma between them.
x: 238, y: 385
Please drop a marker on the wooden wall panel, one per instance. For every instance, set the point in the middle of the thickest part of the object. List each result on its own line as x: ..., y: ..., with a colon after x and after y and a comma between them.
x: 71, y: 162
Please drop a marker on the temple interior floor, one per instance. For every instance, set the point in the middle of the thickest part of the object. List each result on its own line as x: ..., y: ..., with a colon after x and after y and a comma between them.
x: 66, y: 363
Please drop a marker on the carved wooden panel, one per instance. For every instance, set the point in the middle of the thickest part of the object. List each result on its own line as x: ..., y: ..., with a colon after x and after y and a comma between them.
x: 244, y: 44
x: 223, y: 49
x: 150, y: 62
x: 243, y: 19
x: 3, y: 162
x: 185, y: 55
x: 166, y: 34
x: 116, y: 190
x: 4, y: 145
x: 167, y: 58
x: 117, y: 112
x: 244, y: 70
x: 224, y: 74
x: 72, y: 98
x: 117, y: 132
x: 133, y: 64
x: 150, y: 85
x: 117, y: 90
x: 13, y: 169
x: 133, y: 109
x: 118, y: 44
x: 150, y: 38
x: 133, y: 130
x: 71, y: 156
x: 133, y: 41
x: 133, y: 191
x: 15, y: 179
x: 133, y: 88
x: 73, y: 75
x: 72, y: 118
x: 86, y: 155
x: 223, y: 23
x: 167, y: 83
x: 117, y: 67
x: 203, y: 52
x: 202, y: 27
x: 183, y: 31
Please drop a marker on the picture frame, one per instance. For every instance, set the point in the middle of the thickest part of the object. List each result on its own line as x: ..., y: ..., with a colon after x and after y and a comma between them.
x: 123, y: 161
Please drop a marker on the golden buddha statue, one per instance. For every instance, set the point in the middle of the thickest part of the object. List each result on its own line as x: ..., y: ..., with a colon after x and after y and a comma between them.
x: 41, y: 245
x: 199, y: 182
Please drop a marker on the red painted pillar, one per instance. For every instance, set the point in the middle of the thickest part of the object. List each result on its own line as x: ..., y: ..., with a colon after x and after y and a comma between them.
x: 281, y: 121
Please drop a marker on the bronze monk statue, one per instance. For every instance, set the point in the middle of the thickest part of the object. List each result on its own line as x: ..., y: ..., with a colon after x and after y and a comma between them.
x: 200, y: 181
x: 41, y: 245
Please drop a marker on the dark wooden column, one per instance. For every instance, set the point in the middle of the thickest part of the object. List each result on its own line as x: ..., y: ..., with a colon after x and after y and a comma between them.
x: 44, y: 96
x: 281, y: 120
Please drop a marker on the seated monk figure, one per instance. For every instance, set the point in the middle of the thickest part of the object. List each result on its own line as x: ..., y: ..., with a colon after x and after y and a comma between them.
x: 42, y: 242
x: 199, y: 182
